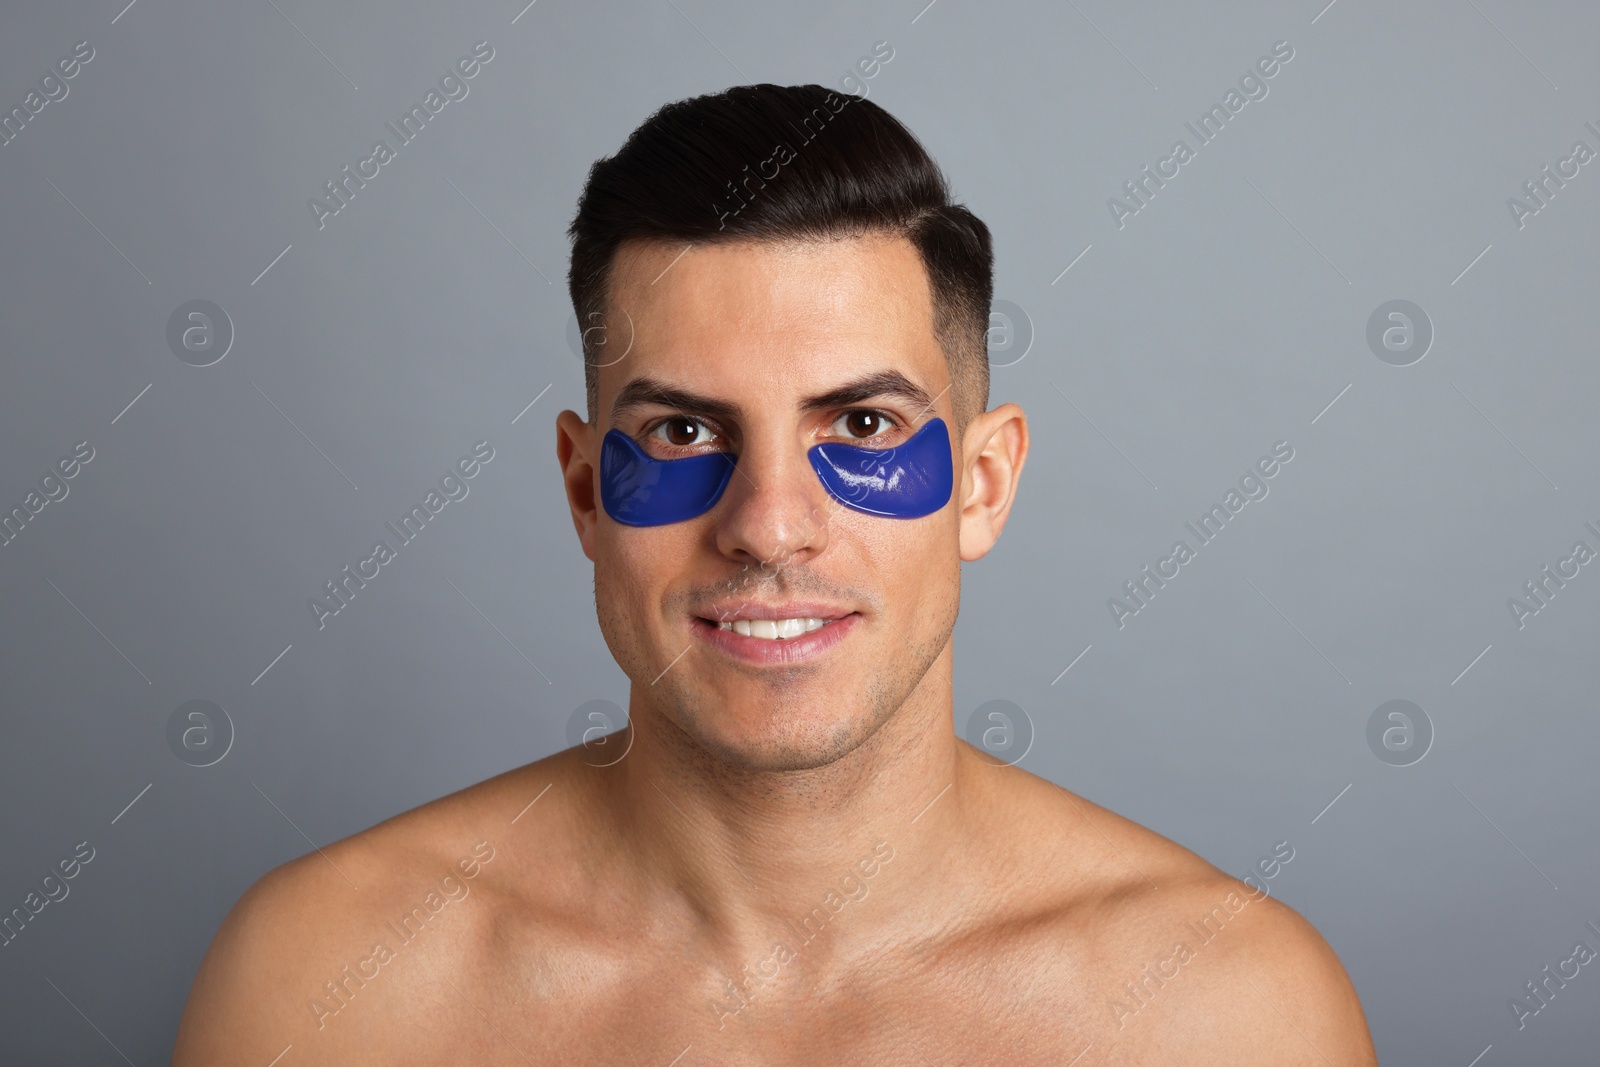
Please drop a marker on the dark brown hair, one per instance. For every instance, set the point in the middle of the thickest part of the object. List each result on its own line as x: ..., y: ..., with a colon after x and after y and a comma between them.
x: 702, y: 170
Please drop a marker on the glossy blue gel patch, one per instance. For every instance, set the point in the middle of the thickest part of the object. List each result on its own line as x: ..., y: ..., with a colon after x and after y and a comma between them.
x: 637, y: 489
x: 904, y: 482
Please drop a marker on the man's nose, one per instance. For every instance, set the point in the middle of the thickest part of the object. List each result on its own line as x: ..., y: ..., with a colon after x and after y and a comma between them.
x: 775, y: 510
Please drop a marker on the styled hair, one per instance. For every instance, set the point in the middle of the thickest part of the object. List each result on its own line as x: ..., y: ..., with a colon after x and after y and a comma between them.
x: 785, y: 163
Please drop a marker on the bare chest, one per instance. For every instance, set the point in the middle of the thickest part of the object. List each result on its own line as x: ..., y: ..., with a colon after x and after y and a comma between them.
x: 680, y: 1015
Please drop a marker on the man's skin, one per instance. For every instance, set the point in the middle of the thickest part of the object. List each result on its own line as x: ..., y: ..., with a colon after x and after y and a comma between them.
x: 933, y: 907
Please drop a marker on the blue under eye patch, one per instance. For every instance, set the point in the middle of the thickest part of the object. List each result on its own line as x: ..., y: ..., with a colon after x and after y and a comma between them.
x: 639, y: 490
x: 906, y: 482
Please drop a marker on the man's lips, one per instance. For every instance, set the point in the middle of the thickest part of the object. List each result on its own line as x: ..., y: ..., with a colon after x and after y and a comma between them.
x: 775, y: 634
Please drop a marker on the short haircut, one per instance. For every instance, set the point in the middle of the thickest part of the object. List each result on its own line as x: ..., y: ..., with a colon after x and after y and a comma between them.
x: 702, y: 171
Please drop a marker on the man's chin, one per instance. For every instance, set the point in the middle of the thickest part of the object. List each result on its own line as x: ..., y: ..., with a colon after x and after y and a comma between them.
x: 786, y: 736
x: 772, y: 759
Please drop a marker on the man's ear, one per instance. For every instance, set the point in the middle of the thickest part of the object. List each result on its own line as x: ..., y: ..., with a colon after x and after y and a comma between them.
x: 994, y: 448
x: 575, y: 452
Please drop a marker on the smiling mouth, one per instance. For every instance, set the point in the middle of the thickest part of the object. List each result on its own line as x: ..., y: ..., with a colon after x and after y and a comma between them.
x: 776, y: 635
x: 775, y: 629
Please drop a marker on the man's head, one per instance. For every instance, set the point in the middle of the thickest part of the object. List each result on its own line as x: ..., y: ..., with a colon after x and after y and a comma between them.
x: 777, y: 163
x: 759, y: 273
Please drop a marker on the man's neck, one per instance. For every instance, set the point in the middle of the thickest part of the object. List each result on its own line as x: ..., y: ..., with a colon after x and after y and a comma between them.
x: 750, y: 852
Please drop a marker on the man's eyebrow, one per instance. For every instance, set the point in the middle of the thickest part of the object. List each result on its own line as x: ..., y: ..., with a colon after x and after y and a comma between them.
x: 643, y: 391
x: 884, y: 383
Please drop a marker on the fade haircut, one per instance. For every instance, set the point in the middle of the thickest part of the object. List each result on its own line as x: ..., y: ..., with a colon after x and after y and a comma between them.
x: 700, y: 171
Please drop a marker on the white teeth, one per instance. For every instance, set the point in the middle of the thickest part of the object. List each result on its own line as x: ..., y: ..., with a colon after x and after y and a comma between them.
x: 773, y: 629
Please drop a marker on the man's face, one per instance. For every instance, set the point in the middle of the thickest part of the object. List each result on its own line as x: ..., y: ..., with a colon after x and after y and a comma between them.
x: 765, y: 350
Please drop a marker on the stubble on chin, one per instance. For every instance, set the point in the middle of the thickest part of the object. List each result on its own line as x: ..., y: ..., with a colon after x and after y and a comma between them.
x: 805, y: 720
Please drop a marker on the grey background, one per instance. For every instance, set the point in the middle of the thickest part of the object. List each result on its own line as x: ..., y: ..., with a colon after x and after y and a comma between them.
x: 1225, y: 316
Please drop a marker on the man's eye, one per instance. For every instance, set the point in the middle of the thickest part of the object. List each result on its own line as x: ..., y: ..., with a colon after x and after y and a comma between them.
x: 862, y: 424
x: 682, y: 432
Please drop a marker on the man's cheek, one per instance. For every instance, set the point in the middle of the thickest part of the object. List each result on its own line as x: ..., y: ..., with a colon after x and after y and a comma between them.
x: 626, y: 563
x: 636, y: 567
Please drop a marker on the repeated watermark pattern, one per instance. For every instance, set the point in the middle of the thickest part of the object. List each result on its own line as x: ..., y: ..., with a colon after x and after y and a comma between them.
x: 1539, y: 191
x: 53, y: 88
x: 52, y: 489
x: 798, y: 932
x: 341, y: 591
x: 1141, y: 591
x: 199, y: 332
x: 1253, y: 85
x: 200, y: 733
x: 1140, y: 992
x: 52, y: 888
x: 1540, y: 590
x: 399, y: 931
x: 1541, y: 989
x: 452, y: 87
x: 1399, y: 219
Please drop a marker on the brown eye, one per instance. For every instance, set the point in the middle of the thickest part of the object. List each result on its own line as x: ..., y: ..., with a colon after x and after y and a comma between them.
x: 682, y: 432
x: 861, y: 424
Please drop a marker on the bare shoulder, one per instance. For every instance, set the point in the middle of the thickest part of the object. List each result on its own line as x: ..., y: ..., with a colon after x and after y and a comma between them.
x: 1171, y: 959
x: 1224, y: 972
x: 325, y: 952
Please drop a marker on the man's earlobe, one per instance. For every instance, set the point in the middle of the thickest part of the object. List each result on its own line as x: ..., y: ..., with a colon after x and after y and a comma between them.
x: 995, y: 447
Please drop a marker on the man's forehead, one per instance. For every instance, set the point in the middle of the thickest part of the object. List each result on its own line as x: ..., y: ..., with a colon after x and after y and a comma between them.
x: 794, y: 318
x: 745, y: 285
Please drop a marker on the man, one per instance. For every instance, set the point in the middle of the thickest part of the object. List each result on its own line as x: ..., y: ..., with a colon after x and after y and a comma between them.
x: 788, y: 857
